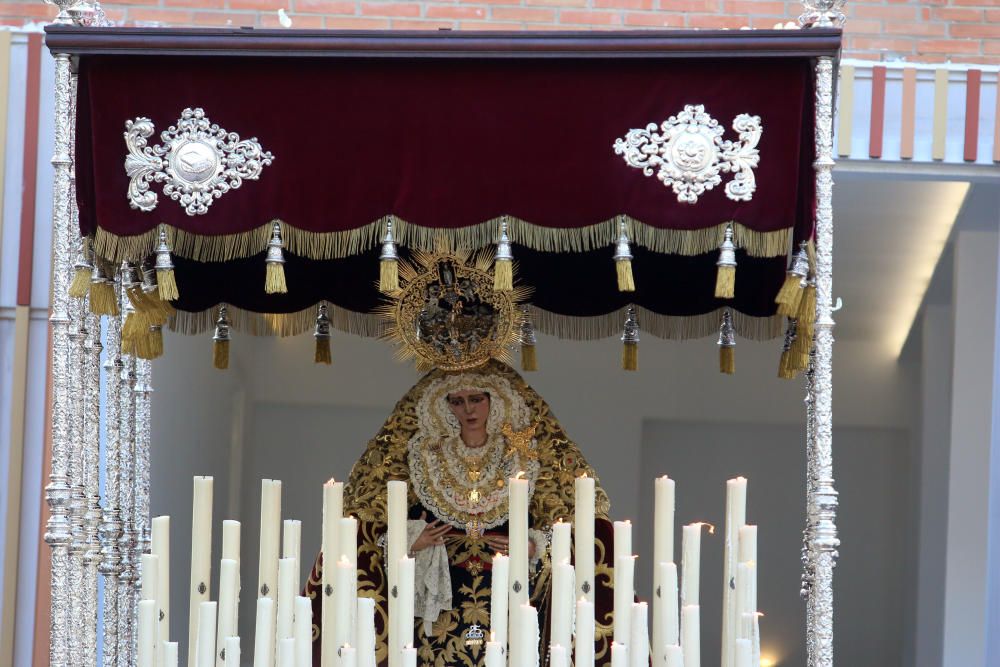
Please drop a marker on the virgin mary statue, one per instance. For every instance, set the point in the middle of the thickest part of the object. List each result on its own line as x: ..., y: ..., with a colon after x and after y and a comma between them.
x: 456, y: 437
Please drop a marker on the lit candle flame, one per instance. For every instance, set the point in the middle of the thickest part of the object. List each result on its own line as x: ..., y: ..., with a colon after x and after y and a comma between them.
x: 711, y: 528
x: 520, y: 475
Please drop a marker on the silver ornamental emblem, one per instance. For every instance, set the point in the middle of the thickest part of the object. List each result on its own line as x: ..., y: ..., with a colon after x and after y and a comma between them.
x: 197, y: 162
x: 474, y: 635
x: 688, y: 154
x: 517, y: 586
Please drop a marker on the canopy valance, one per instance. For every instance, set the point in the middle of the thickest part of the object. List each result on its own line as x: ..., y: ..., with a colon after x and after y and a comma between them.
x: 571, y: 140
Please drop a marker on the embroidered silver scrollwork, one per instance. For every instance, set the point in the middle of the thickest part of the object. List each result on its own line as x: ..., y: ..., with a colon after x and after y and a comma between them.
x: 197, y: 162
x: 687, y: 153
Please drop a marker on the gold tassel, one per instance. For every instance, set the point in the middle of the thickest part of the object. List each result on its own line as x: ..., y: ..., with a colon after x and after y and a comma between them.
x: 727, y: 344
x: 503, y: 267
x: 725, y: 277
x: 786, y: 371
x: 630, y: 356
x: 806, y: 314
x: 625, y: 281
x: 220, y: 354
x: 623, y: 260
x: 790, y: 294
x: 220, y: 341
x: 630, y: 341
x: 102, y: 297
x: 503, y: 276
x: 155, y: 342
x: 275, y: 283
x: 323, y: 355
x: 725, y: 282
x: 388, y: 275
x: 165, y: 280
x: 727, y: 360
x: 799, y: 353
x: 167, y: 285
x: 81, y: 281
x: 529, y: 358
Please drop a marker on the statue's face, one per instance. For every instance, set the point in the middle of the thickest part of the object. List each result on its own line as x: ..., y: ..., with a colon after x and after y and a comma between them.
x: 471, y: 408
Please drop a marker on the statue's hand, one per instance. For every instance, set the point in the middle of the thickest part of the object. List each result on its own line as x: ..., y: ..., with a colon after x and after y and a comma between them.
x: 433, y: 534
x: 501, y: 544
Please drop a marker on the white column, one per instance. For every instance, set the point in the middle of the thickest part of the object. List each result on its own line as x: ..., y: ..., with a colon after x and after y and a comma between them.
x: 934, y: 422
x: 975, y: 294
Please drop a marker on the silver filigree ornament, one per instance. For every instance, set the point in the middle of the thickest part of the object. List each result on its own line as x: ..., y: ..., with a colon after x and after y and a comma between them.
x: 197, y: 162
x: 688, y: 154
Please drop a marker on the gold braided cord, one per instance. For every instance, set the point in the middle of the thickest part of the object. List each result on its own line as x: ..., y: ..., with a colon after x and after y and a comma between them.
x: 372, y: 325
x: 385, y: 458
x: 347, y: 243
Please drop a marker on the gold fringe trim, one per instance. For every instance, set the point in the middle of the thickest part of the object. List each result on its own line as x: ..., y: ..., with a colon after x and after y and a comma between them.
x: 371, y: 325
x: 336, y: 245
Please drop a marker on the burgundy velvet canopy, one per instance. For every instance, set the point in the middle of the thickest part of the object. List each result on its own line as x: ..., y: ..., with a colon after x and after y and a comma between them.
x: 451, y: 133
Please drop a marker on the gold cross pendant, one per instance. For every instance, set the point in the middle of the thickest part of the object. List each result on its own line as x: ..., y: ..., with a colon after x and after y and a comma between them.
x: 520, y: 441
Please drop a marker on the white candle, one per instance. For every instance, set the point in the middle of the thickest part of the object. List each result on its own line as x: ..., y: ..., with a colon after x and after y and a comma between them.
x: 409, y: 656
x: 748, y: 544
x: 270, y: 529
x: 364, y: 632
x: 527, y: 642
x: 349, y: 548
x: 494, y: 655
x: 691, y: 635
x: 333, y: 510
x: 229, y: 573
x: 263, y: 647
x: 205, y: 640
x: 736, y: 511
x: 585, y: 635
x: 348, y: 656
x: 755, y: 638
x: 557, y: 656
x: 666, y: 594
x: 201, y: 555
x: 619, y: 655
x: 663, y: 552
x: 146, y: 641
x: 672, y: 656
x: 690, y: 564
x: 287, y: 590
x: 286, y: 652
x: 302, y: 630
x: 624, y: 597
x: 563, y: 582
x: 343, y: 599
x: 744, y: 601
x: 150, y: 569
x: 404, y: 607
x: 638, y: 645
x: 232, y: 648
x: 160, y: 547
x: 396, y: 546
x: 291, y: 544
x: 744, y: 653
x: 622, y: 539
x: 169, y: 654
x: 562, y: 535
x: 498, y: 601
x: 583, y: 526
x: 231, y: 540
x: 518, y: 534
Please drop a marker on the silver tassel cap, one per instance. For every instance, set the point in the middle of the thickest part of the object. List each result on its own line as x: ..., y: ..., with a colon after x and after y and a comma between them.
x: 630, y: 332
x: 527, y: 328
x: 727, y: 334
x: 389, y: 250
x: 727, y: 251
x: 83, y: 260
x: 222, y: 326
x: 274, y: 246
x: 504, y: 253
x: 322, y: 323
x: 623, y: 249
x: 163, y: 261
x: 800, y: 263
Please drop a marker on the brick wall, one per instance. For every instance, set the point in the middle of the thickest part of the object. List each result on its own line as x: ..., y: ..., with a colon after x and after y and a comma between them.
x: 965, y: 31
